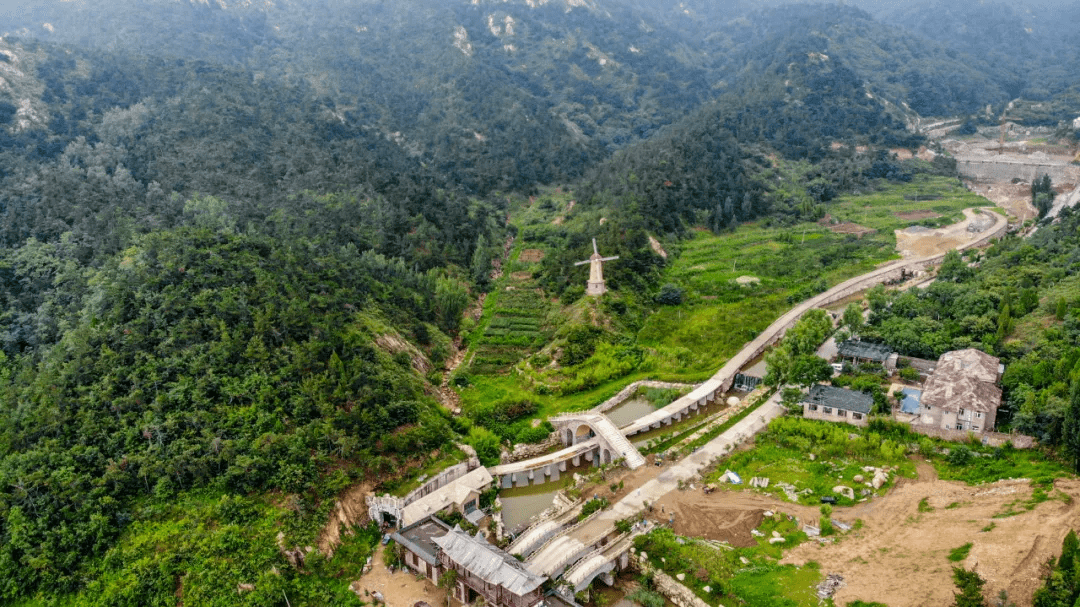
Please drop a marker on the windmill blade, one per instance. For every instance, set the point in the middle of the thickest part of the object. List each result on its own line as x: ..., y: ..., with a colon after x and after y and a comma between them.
x: 581, y: 263
x: 609, y: 258
x: 594, y: 250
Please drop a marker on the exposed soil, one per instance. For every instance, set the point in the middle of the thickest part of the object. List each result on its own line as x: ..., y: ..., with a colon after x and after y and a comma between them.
x: 917, y: 215
x: 532, y: 255
x: 919, y: 241
x: 1015, y: 198
x: 727, y: 516
x: 897, y: 544
x: 851, y: 228
x: 351, y: 509
x: 521, y: 276
x: 659, y: 250
x: 400, y: 589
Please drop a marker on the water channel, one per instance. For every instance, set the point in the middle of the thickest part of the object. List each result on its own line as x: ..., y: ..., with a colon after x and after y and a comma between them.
x: 520, y: 504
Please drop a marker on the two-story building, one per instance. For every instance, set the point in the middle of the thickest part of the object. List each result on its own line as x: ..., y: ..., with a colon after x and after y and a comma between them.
x: 962, y: 393
x: 832, y: 404
x: 432, y: 549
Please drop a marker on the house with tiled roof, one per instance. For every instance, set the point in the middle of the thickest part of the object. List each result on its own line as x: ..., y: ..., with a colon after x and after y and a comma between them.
x: 962, y: 393
x: 432, y: 548
x: 832, y: 404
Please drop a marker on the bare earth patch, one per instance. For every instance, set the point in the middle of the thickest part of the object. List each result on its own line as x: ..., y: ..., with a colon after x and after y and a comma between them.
x: 350, y: 510
x: 532, y: 255
x: 919, y: 241
x: 521, y: 276
x: 899, y: 544
x: 659, y: 250
x: 917, y: 215
x: 400, y: 589
x: 851, y: 228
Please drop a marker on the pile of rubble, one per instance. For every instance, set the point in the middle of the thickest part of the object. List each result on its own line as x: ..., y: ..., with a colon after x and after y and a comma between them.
x: 828, y: 588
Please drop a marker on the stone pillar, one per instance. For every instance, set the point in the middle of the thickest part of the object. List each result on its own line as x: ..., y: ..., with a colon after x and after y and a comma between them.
x: 577, y: 460
x: 562, y: 466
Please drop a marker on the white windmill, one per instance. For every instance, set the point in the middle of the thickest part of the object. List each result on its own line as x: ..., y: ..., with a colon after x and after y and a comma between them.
x: 596, y: 271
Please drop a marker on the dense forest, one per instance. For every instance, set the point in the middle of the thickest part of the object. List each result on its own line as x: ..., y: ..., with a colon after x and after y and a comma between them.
x: 234, y: 265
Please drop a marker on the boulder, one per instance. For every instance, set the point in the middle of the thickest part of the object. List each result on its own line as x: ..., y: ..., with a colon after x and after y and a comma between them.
x: 744, y: 560
x: 812, y: 457
x: 776, y: 540
x: 880, y: 478
x: 858, y: 478
x: 732, y: 401
x: 847, y: 492
x: 241, y: 588
x: 680, y: 576
x: 776, y: 534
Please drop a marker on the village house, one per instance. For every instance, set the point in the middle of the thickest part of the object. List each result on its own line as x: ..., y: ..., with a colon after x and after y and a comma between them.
x: 962, y: 393
x: 861, y: 352
x: 832, y: 404
x: 432, y: 549
x: 461, y: 495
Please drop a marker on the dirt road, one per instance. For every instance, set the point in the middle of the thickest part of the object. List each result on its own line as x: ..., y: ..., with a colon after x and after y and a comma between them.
x: 899, y: 556
x: 400, y: 589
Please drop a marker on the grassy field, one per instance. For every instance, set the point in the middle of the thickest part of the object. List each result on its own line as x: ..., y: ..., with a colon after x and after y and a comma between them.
x: 718, y: 575
x: 688, y: 342
x: 792, y: 263
x: 782, y: 454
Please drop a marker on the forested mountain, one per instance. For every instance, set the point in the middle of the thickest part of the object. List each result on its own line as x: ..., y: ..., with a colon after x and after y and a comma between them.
x: 237, y: 239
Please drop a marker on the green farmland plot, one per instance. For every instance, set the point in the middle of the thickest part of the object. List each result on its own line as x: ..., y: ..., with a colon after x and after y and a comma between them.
x: 783, y: 265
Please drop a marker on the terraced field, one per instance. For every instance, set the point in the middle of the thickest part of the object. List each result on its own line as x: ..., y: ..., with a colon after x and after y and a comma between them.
x: 517, y: 325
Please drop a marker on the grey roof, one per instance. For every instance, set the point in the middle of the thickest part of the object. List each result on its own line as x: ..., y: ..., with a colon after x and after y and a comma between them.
x: 419, y: 537
x: 488, y: 562
x: 840, y: 398
x: 864, y: 350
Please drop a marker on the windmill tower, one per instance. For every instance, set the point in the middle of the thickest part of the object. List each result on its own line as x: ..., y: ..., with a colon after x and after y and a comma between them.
x: 596, y: 271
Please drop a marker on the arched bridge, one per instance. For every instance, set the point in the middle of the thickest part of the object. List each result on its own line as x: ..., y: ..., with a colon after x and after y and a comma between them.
x: 577, y: 428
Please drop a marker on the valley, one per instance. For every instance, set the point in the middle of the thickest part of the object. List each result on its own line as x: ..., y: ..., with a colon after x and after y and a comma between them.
x: 296, y: 306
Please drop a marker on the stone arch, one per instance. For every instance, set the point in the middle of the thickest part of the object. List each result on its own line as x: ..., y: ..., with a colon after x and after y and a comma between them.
x: 605, y: 457
x: 583, y: 433
x: 568, y: 437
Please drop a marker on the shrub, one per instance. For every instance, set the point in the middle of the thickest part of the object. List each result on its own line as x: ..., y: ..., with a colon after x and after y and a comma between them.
x: 669, y: 295
x: 958, y: 554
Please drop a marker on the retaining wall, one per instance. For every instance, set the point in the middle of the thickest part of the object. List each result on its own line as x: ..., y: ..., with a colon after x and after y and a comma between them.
x: 1006, y: 170
x: 994, y: 439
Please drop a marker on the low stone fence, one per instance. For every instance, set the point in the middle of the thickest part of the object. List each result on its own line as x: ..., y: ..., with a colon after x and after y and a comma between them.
x: 629, y: 391
x: 524, y: 451
x: 994, y: 439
